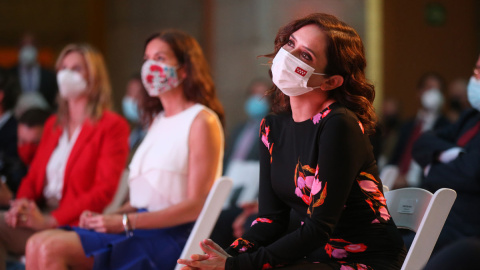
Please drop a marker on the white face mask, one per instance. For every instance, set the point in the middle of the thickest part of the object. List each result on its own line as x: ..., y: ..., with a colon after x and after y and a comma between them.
x: 291, y: 74
x: 158, y: 77
x: 27, y: 55
x: 71, y: 84
x: 432, y: 99
x: 473, y: 93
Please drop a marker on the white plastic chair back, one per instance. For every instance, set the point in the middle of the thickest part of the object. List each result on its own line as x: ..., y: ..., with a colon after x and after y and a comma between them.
x: 245, y: 174
x: 388, y: 175
x: 208, y: 217
x: 385, y: 189
x: 120, y: 195
x: 420, y: 211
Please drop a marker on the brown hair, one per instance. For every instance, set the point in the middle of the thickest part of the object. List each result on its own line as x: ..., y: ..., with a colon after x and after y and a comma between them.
x: 99, y: 89
x: 345, y: 57
x: 198, y: 85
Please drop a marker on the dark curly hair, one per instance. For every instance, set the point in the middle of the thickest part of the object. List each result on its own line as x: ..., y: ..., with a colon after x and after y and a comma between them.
x: 198, y: 85
x: 345, y: 57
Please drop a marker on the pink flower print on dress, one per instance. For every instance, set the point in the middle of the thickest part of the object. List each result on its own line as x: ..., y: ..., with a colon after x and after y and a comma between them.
x: 261, y: 220
x: 325, y: 113
x: 339, y: 253
x: 309, y: 181
x: 266, y: 266
x: 346, y: 267
x: 298, y: 192
x: 361, y: 127
x: 300, y: 182
x: 384, y: 213
x: 316, y: 118
x: 368, y: 186
x: 355, y: 248
x: 316, y: 187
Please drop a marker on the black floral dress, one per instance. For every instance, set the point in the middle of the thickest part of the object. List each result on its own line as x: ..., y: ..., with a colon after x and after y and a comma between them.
x: 324, y: 170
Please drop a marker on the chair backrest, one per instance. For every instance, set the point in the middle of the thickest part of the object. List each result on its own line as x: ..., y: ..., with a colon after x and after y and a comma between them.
x: 424, y: 213
x: 388, y: 175
x: 245, y: 175
x: 120, y: 195
x: 208, y: 217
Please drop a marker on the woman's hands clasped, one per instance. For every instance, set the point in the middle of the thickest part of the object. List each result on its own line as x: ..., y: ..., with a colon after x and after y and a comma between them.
x: 24, y: 213
x: 214, y: 257
x: 101, y: 223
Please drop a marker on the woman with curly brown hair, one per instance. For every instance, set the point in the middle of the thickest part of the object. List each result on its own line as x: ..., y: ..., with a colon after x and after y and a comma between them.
x: 316, y: 159
x: 170, y: 177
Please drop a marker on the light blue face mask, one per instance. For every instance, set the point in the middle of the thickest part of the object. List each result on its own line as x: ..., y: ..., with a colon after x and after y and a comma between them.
x: 473, y: 93
x: 256, y: 107
x: 130, y: 109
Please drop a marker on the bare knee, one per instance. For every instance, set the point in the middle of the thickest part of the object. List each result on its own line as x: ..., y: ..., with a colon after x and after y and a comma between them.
x: 43, y: 248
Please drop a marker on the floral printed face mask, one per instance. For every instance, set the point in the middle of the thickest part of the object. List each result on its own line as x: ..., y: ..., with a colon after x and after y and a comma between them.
x: 158, y: 77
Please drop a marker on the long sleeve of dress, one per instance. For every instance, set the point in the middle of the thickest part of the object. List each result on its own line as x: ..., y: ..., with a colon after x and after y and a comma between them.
x: 340, y: 150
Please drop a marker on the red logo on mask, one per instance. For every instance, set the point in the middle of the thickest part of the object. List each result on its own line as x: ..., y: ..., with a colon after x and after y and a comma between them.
x: 301, y: 71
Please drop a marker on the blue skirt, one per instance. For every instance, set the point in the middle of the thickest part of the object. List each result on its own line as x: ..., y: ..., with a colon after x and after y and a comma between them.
x: 146, y: 249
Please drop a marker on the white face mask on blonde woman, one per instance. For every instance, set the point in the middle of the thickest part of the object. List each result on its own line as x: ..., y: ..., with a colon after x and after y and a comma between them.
x: 71, y: 84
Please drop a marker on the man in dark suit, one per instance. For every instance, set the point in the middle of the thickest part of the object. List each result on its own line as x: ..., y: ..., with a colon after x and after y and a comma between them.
x: 9, y: 160
x: 451, y: 159
x: 31, y: 76
x: 429, y: 117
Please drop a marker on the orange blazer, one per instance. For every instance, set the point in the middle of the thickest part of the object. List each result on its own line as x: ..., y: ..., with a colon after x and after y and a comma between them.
x: 93, y: 168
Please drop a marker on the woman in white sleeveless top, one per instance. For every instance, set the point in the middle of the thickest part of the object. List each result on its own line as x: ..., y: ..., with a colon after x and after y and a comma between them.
x: 170, y: 174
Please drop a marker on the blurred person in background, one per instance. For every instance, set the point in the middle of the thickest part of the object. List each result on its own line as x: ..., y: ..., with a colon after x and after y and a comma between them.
x: 80, y: 157
x: 241, y: 154
x: 450, y: 158
x: 430, y: 88
x: 457, y: 99
x: 34, y: 79
x: 171, y: 172
x: 10, y: 164
x: 29, y: 132
x: 132, y: 103
x: 389, y: 127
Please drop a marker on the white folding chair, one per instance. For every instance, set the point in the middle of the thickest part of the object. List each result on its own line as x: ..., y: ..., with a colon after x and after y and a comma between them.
x: 424, y: 213
x: 208, y: 217
x: 120, y: 195
x: 388, y: 175
x: 245, y: 175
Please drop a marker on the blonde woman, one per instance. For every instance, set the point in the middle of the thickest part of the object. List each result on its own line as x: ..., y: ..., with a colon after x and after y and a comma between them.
x: 80, y: 157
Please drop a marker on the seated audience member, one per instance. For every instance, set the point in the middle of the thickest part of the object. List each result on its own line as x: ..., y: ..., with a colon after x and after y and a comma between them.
x: 135, y: 96
x: 450, y: 158
x: 316, y: 159
x: 389, y: 126
x: 242, y: 154
x: 10, y: 164
x: 80, y: 157
x: 460, y: 255
x: 457, y: 99
x: 29, y: 133
x: 33, y: 78
x: 171, y: 172
x: 429, y: 117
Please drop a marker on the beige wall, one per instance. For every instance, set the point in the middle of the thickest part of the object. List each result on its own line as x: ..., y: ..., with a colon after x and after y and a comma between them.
x: 233, y: 33
x: 412, y: 46
x: 246, y: 29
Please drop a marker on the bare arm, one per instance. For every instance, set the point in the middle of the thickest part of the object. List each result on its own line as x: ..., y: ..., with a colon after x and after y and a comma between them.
x: 205, y: 154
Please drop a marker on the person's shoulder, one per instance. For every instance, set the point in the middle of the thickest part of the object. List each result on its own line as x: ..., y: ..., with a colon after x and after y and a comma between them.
x: 277, y: 119
x: 341, y: 117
